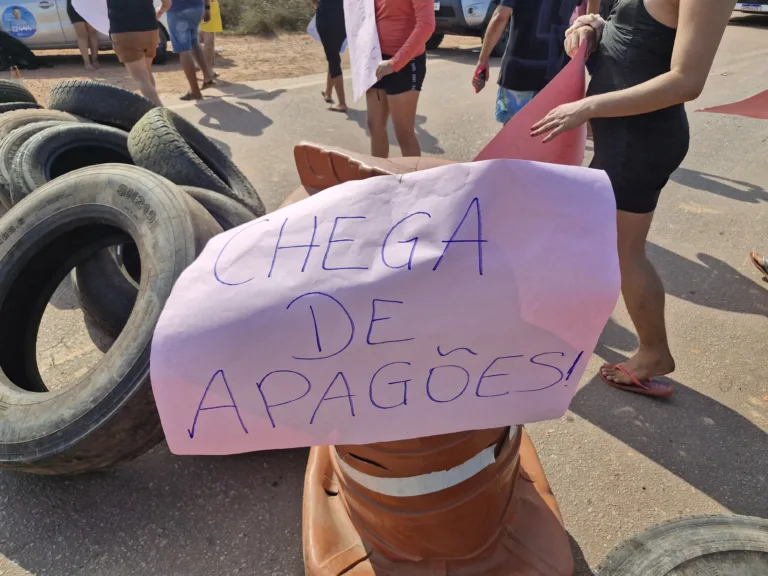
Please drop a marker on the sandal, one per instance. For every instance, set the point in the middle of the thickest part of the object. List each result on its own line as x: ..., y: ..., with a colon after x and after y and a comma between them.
x: 760, y: 262
x: 189, y: 98
x: 209, y: 84
x: 649, y: 387
x: 338, y: 109
x: 327, y: 98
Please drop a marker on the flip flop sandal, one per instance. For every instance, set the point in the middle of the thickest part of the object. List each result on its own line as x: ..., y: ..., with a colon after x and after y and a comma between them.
x: 647, y: 387
x: 760, y: 262
x: 339, y: 110
x: 328, y: 99
x: 209, y: 84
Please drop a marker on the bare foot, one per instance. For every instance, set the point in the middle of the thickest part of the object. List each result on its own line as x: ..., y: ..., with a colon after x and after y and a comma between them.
x: 95, y: 65
x: 89, y: 66
x: 643, y: 366
x: 338, y: 108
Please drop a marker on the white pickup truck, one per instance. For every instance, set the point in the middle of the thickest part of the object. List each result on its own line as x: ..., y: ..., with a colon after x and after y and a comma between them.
x: 44, y: 25
x: 752, y: 7
x: 465, y: 18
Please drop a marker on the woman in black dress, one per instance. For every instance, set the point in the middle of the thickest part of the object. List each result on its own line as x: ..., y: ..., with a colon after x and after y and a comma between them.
x: 86, y: 38
x: 650, y: 58
x: 333, y: 32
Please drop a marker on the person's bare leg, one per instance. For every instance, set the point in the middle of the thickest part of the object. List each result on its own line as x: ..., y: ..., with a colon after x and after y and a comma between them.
x: 378, y: 114
x: 209, y: 49
x: 148, y: 62
x: 644, y: 296
x: 93, y: 43
x: 402, y: 108
x: 188, y: 66
x: 338, y: 85
x: 140, y: 73
x: 328, y: 93
x: 81, y: 29
x: 199, y: 56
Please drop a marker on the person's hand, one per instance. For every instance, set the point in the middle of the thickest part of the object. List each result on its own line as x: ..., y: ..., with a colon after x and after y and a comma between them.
x: 575, y: 38
x: 481, y: 76
x: 384, y: 69
x: 562, y: 119
x: 165, y: 5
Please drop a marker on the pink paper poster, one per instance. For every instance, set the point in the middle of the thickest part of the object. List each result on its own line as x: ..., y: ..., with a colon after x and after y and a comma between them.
x: 515, y: 141
x: 464, y: 297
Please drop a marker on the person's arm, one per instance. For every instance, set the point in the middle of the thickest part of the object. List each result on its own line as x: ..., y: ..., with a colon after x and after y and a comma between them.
x: 425, y: 27
x: 701, y: 25
x: 165, y: 5
x: 499, y: 21
x: 207, y: 13
x: 593, y: 6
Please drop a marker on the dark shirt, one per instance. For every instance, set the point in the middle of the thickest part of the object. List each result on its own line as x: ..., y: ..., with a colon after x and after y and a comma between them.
x: 131, y: 16
x: 535, y: 52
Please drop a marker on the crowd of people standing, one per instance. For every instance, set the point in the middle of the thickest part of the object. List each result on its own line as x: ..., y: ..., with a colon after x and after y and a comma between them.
x: 646, y: 59
x: 134, y: 31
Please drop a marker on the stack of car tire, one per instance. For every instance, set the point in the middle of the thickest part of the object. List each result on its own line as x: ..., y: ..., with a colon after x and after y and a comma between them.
x: 123, y: 196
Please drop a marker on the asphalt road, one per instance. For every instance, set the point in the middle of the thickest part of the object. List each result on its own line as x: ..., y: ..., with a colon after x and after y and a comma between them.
x: 618, y: 463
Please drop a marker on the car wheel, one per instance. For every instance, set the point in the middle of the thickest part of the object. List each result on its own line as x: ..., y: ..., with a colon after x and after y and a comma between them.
x: 434, y: 42
x: 162, y: 48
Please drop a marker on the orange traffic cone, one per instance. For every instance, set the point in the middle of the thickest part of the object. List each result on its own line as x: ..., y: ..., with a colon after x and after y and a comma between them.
x: 472, y: 503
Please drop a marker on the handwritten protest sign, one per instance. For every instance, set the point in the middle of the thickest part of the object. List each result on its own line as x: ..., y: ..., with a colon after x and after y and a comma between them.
x: 468, y: 296
x: 364, y: 47
x: 754, y: 107
x: 514, y: 139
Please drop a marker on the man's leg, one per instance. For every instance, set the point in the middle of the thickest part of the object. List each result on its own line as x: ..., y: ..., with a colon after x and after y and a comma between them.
x: 188, y: 65
x: 209, y: 47
x: 202, y: 63
x: 644, y: 296
x: 140, y: 73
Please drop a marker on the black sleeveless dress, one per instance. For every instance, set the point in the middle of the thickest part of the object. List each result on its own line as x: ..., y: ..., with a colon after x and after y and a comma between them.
x: 638, y: 153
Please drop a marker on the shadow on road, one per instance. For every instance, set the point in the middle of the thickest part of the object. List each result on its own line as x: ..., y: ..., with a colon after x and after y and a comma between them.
x: 726, y: 187
x: 580, y: 565
x: 236, y: 116
x: 429, y: 143
x: 709, y: 282
x: 162, y: 515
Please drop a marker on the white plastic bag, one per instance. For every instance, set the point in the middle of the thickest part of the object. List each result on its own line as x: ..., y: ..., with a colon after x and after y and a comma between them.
x: 312, y: 31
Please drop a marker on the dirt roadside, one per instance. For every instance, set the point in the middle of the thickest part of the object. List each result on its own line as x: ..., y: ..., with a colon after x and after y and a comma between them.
x: 242, y: 58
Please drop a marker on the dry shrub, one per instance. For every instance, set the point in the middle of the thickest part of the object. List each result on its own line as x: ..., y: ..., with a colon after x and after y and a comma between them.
x: 265, y: 16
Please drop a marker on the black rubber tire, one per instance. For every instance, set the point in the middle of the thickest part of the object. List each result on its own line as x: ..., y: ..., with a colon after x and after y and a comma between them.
x: 99, y: 102
x: 109, y: 416
x: 671, y: 549
x: 166, y: 144
x: 6, y: 107
x: 228, y: 213
x: 11, y: 92
x: 62, y: 149
x: 434, y: 41
x: 11, y: 121
x: 10, y: 147
x: 107, y: 283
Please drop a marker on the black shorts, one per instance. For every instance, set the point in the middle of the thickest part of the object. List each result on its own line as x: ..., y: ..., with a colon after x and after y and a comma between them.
x: 410, y: 78
x: 74, y: 17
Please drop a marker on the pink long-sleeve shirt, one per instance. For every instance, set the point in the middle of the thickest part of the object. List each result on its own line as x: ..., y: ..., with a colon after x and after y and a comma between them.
x: 404, y: 27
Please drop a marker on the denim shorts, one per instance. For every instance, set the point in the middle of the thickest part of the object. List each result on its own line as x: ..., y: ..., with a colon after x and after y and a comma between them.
x: 510, y: 102
x: 183, y: 28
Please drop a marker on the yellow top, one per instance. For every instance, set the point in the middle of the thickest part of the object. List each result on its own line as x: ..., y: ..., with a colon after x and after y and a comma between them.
x: 214, y: 25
